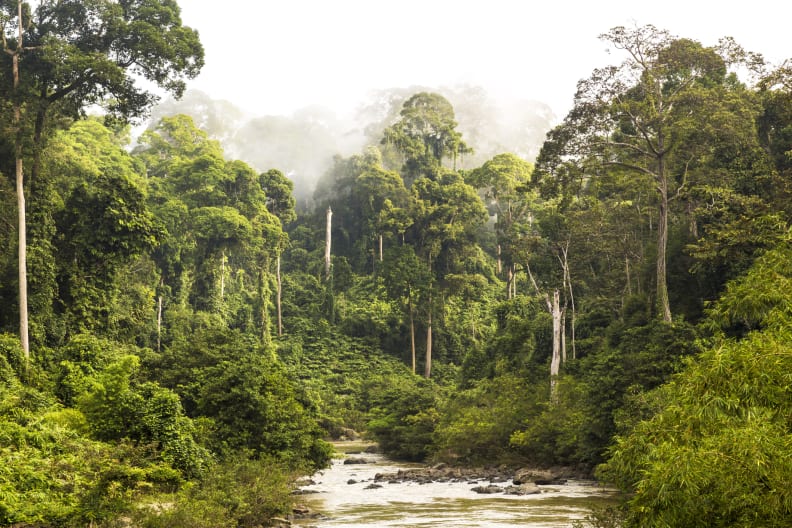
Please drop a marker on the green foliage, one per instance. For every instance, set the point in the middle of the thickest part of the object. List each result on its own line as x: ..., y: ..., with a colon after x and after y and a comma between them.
x: 402, y: 415
x: 241, y: 493
x: 155, y: 376
x: 118, y: 409
x: 425, y: 135
x: 253, y: 407
x: 475, y: 425
x: 553, y: 434
x: 716, y: 453
x: 12, y: 359
x: 760, y: 298
x: 53, y: 475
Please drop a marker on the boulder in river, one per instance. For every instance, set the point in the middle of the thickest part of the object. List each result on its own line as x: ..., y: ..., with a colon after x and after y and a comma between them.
x: 356, y: 461
x: 525, y: 475
x: 551, y: 482
x: 522, y: 489
x: 488, y: 489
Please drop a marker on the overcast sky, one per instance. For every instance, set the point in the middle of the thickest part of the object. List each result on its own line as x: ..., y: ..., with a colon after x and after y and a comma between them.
x: 275, y: 56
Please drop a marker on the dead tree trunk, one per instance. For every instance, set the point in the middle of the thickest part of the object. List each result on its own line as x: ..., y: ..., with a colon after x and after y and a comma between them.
x: 568, y: 287
x: 554, y: 308
x: 328, y: 240
x: 555, y: 362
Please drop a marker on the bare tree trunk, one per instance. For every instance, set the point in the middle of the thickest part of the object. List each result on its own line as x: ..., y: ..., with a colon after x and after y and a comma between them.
x: 568, y: 285
x: 663, y: 304
x: 554, y: 308
x: 380, y: 247
x: 328, y: 240
x: 509, y: 278
x: 22, y: 256
x: 500, y: 262
x: 20, y: 189
x: 278, y: 294
x: 555, y: 362
x: 563, y: 337
x: 412, y: 328
x: 428, y: 366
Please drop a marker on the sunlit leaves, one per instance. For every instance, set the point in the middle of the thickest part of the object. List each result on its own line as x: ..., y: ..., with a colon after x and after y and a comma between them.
x: 717, y: 453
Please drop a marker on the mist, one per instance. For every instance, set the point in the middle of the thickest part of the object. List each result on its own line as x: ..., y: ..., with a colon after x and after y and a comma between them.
x: 303, y: 144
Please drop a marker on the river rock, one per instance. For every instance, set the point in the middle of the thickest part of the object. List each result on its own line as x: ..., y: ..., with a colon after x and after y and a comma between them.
x: 373, y: 486
x: 522, y: 489
x: 301, y: 510
x: 492, y: 488
x: 551, y: 482
x: 355, y: 461
x: 526, y: 475
x: 304, y: 492
x: 351, y: 481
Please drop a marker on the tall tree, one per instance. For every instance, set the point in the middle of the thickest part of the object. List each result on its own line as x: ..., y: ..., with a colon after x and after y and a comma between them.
x: 280, y: 202
x: 655, y: 114
x: 78, y: 54
x: 425, y: 135
x: 14, y: 50
x: 446, y: 214
x: 504, y: 179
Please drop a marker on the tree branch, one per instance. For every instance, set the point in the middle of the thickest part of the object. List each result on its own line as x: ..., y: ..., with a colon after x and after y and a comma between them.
x: 538, y: 291
x: 631, y: 166
x: 636, y: 148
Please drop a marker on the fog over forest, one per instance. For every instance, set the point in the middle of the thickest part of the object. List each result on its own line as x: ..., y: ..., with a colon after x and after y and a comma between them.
x: 302, y: 145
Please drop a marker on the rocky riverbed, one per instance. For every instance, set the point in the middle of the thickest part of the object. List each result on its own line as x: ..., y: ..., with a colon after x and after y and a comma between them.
x: 368, y: 490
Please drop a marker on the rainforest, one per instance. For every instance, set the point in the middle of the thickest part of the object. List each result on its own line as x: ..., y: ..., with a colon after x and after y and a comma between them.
x: 183, y: 333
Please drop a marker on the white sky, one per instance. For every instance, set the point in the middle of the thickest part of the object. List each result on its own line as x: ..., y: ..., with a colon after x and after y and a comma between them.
x: 275, y: 56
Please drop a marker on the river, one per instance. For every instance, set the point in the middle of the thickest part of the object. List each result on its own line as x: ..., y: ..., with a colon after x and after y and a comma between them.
x: 450, y: 504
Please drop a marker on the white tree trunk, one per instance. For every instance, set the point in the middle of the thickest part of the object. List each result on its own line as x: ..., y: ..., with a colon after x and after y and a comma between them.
x: 554, y: 307
x: 568, y: 286
x: 328, y: 240
x: 555, y: 362
x: 20, y: 190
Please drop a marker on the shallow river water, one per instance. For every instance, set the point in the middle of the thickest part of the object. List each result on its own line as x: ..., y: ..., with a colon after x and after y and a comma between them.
x: 410, y: 504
